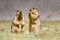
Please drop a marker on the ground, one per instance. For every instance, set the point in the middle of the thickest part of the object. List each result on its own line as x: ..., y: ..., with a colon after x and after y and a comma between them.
x: 49, y: 31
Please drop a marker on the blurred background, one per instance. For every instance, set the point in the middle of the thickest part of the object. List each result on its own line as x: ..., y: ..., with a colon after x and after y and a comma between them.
x: 49, y: 10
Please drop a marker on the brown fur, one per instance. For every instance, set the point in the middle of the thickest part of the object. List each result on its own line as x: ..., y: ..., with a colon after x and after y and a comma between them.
x: 34, y: 22
x: 18, y: 22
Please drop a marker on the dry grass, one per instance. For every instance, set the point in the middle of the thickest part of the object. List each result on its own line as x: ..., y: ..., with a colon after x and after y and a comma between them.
x: 49, y: 31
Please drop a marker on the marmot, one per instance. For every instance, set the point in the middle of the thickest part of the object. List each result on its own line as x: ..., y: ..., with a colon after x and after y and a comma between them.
x: 34, y: 21
x: 18, y: 22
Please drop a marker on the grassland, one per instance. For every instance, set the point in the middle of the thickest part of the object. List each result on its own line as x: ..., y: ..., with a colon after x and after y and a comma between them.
x: 49, y: 31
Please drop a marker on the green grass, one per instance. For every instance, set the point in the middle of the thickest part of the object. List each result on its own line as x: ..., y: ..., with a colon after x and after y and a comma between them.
x: 49, y: 31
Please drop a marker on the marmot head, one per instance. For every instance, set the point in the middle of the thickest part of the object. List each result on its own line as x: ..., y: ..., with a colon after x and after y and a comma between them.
x: 19, y: 15
x: 34, y: 11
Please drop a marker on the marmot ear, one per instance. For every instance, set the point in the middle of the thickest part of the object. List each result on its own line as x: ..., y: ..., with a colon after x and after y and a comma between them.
x: 38, y: 16
x: 17, y: 11
x: 34, y: 8
x: 30, y: 10
x: 21, y: 11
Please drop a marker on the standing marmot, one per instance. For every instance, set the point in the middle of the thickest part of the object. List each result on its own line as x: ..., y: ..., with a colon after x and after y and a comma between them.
x: 18, y: 22
x: 34, y: 22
